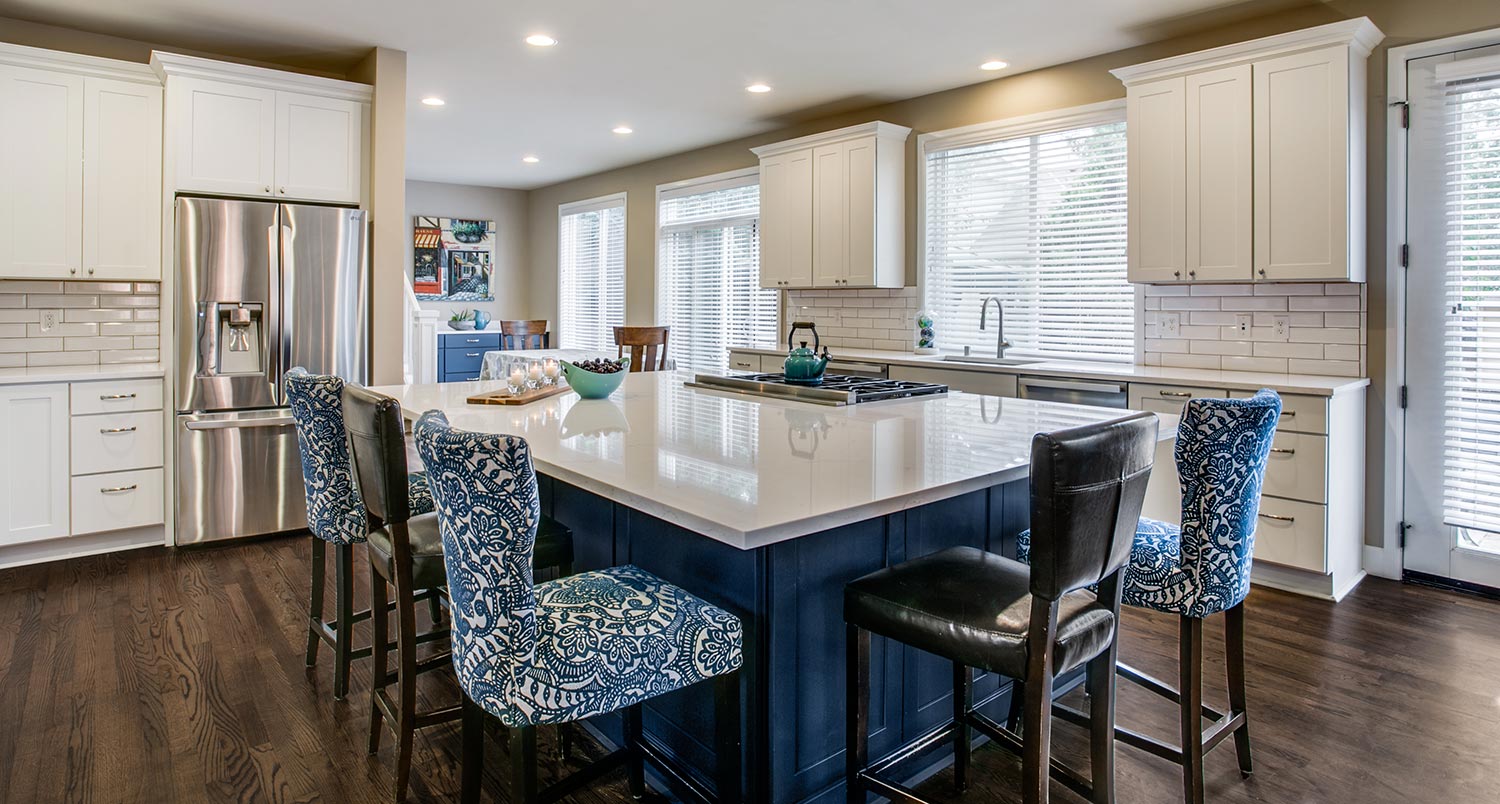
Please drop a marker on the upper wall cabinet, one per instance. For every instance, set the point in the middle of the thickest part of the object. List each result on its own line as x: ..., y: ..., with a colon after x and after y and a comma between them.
x: 832, y: 209
x: 1247, y: 161
x: 249, y: 131
x: 80, y: 179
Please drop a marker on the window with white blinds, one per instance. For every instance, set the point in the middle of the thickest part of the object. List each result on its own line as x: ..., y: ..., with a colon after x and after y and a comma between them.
x: 590, y: 272
x: 1031, y: 212
x: 1471, y: 337
x: 708, y: 270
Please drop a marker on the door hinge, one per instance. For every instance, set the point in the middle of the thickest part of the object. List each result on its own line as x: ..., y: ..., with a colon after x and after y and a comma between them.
x: 1404, y: 399
x: 1405, y: 255
x: 1405, y: 113
x: 1401, y: 529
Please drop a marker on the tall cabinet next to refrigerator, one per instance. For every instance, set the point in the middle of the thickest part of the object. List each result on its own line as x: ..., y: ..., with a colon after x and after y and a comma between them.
x: 261, y: 288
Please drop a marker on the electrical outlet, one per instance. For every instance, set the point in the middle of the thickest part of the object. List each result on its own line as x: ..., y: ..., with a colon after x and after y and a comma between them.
x: 1169, y: 325
x: 49, y: 319
x: 1281, y: 327
x: 1242, y: 323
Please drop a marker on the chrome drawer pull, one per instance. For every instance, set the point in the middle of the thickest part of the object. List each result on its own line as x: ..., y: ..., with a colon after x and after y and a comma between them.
x: 471, y: 340
x: 1284, y: 451
x: 1278, y: 518
x: 119, y: 489
x: 1289, y: 413
x: 109, y: 430
x: 108, y: 397
x: 1178, y: 394
x: 471, y: 354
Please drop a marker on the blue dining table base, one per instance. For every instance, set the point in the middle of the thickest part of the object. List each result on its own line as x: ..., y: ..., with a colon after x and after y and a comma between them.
x: 790, y: 598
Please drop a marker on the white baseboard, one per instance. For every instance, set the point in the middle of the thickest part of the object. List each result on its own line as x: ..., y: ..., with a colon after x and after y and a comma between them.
x: 19, y: 555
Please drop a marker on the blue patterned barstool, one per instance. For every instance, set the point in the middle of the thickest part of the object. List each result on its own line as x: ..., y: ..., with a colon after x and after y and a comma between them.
x: 1200, y: 569
x: 335, y: 513
x: 567, y: 649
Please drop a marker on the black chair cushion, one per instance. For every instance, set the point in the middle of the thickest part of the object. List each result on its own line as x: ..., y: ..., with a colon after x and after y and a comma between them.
x: 974, y: 607
x: 554, y: 548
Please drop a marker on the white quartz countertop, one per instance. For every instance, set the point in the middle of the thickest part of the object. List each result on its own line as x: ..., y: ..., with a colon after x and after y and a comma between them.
x: 1312, y: 384
x: 46, y: 374
x: 750, y: 471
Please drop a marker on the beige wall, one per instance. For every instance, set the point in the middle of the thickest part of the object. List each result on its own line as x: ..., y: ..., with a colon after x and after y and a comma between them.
x: 508, y: 209
x: 386, y: 179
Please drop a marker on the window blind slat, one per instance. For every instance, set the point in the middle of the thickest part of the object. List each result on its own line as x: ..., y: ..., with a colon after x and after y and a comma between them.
x: 591, y: 277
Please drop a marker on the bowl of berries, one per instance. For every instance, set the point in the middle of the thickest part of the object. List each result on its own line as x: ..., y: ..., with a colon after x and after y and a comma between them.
x: 595, y: 378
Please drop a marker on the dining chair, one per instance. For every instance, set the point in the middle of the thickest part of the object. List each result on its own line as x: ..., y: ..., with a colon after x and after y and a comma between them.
x: 335, y: 514
x: 568, y: 649
x: 983, y: 610
x: 525, y: 335
x: 647, y: 347
x: 1199, y: 569
x: 406, y: 554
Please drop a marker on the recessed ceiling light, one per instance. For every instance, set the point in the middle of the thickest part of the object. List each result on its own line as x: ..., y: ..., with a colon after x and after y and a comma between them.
x: 530, y: 160
x: 540, y: 40
x: 758, y: 88
x: 434, y: 101
x: 623, y: 130
x: 994, y: 65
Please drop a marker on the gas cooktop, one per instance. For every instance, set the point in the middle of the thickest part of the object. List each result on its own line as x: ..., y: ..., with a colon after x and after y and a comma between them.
x: 836, y: 389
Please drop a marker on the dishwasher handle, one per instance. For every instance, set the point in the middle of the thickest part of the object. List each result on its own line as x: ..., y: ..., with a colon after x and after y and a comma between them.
x: 1073, y: 385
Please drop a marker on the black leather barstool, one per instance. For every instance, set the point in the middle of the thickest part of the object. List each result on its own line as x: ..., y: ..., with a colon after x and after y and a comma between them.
x: 987, y: 611
x: 406, y: 553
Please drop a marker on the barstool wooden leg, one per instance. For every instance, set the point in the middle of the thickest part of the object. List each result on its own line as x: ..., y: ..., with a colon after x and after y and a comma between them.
x: 1101, y: 690
x: 856, y: 712
x: 406, y: 683
x: 963, y: 698
x: 344, y: 591
x: 727, y: 744
x: 635, y: 764
x: 1190, y: 689
x: 379, y: 639
x: 473, y: 752
x: 1036, y: 726
x: 523, y: 765
x: 315, y: 604
x: 1234, y: 657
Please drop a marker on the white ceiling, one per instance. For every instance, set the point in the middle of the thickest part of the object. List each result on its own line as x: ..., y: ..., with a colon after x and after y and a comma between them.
x: 674, y: 70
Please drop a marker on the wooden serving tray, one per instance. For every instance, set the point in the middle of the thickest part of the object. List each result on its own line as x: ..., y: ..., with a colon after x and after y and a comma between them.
x: 508, y: 398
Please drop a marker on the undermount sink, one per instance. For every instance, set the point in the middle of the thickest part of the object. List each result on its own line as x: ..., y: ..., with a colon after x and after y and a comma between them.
x: 989, y: 361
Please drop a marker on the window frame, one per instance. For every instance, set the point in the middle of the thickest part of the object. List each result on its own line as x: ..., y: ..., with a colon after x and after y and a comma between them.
x: 596, y: 204
x: 1110, y: 111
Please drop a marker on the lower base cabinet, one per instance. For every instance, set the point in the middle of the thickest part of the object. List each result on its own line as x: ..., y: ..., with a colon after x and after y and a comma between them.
x: 973, y: 382
x: 33, y: 462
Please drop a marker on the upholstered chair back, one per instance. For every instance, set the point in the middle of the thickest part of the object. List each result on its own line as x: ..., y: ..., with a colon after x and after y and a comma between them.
x: 1087, y: 487
x: 377, y: 448
x: 1222, y: 449
x: 485, y: 494
x: 335, y: 513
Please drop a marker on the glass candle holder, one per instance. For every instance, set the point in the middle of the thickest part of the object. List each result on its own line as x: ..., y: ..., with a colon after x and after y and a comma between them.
x: 534, y: 376
x: 515, y: 377
x: 550, y: 372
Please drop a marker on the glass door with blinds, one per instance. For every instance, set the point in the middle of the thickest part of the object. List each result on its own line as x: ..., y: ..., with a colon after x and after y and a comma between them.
x: 1452, y: 467
x: 708, y: 271
x: 591, y: 272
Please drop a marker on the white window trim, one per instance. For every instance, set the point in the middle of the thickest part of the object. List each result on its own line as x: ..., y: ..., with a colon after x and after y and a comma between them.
x: 620, y: 199
x: 702, y: 184
x: 1385, y: 561
x: 1110, y: 111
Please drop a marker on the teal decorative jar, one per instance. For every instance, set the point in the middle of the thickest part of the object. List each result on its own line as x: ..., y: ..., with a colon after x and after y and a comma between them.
x: 926, y: 332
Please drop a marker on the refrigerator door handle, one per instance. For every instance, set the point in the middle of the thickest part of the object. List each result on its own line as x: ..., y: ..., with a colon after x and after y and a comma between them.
x: 237, y: 424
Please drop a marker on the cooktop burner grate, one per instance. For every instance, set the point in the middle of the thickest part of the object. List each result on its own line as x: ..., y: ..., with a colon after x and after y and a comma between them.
x: 836, y: 389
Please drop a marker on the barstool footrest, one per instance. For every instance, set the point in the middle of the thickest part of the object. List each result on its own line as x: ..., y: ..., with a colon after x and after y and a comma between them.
x: 1160, y: 688
x: 1223, y: 726
x: 1006, y: 739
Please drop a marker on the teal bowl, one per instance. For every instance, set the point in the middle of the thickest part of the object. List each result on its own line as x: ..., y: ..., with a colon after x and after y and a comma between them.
x: 592, y: 385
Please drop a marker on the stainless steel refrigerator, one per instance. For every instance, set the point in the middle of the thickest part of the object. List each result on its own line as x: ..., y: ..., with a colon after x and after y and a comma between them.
x: 261, y: 288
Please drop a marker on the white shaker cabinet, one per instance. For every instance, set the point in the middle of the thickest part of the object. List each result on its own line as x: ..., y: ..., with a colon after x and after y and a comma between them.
x: 41, y: 173
x: 121, y: 180
x: 1247, y: 161
x: 832, y: 209
x: 318, y: 147
x: 34, y: 474
x: 225, y: 136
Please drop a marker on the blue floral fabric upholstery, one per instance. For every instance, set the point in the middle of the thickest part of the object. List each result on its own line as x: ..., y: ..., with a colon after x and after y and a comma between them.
x: 335, y: 511
x: 566, y: 649
x: 1203, y: 567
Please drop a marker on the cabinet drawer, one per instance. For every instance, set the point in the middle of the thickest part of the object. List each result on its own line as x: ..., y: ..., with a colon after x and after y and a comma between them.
x: 116, y: 396
x: 117, y: 500
x: 741, y: 361
x: 471, y: 341
x: 1168, y: 398
x: 973, y: 382
x: 460, y: 376
x: 1299, y: 412
x: 1292, y: 533
x: 115, y: 442
x: 1298, y: 467
x: 462, y: 361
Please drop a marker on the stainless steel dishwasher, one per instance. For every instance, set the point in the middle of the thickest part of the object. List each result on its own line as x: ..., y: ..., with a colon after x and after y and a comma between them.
x: 1073, y: 392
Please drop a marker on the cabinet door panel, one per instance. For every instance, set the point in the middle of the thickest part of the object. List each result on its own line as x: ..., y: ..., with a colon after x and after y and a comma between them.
x: 226, y: 137
x: 1302, y: 166
x: 121, y: 180
x: 1219, y: 175
x: 41, y: 174
x: 830, y: 216
x: 1156, y: 185
x: 33, y: 462
x: 319, y: 147
x: 798, y: 219
x: 859, y: 168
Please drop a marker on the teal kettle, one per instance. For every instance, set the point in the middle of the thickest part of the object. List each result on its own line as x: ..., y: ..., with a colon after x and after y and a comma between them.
x: 804, y: 366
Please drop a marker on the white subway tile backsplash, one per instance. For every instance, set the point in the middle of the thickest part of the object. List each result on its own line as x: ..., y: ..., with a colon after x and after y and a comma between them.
x: 12, y: 360
x: 1324, y: 335
x: 1252, y: 303
x: 129, y: 356
x: 12, y: 330
x: 46, y: 301
x: 1190, y: 303
x: 1305, y: 351
x: 1343, y: 289
x: 1335, y: 368
x: 1220, y: 347
x: 1276, y: 365
x: 8, y: 286
x: 63, y: 330
x: 96, y: 315
x: 1350, y: 320
x: 129, y: 301
x: 1288, y: 289
x: 97, y: 322
x: 97, y: 344
x: 1342, y: 351
x: 869, y: 318
x: 31, y: 344
x: 62, y: 359
x: 19, y: 316
x: 97, y: 287
x: 1222, y: 290
x: 1346, y: 303
x: 1191, y: 361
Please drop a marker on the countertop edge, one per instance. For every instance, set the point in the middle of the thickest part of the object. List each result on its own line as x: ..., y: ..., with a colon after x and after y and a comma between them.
x: 42, y: 375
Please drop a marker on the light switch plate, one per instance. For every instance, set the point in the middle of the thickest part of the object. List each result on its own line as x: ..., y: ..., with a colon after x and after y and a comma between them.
x: 1281, y: 327
x: 49, y: 319
x: 1242, y: 323
x: 1169, y: 325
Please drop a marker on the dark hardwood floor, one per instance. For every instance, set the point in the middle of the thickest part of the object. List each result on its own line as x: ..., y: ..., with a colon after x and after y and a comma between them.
x: 177, y: 676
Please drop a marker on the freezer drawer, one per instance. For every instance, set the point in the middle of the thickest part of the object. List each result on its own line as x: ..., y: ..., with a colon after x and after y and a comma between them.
x: 238, y: 474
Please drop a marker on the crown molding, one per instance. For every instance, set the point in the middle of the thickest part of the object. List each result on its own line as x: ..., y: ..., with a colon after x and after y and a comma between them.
x: 880, y: 129
x: 1359, y: 35
x: 77, y: 63
x: 168, y: 65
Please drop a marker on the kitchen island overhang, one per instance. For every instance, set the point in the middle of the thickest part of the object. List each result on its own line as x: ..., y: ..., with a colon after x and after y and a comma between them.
x: 768, y: 508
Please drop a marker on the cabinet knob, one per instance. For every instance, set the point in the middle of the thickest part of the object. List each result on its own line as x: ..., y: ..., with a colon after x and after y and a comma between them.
x: 72, y: 270
x: 1177, y: 274
x: 91, y: 272
x: 268, y: 188
x: 282, y: 191
x: 1193, y: 274
x: 1262, y: 272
